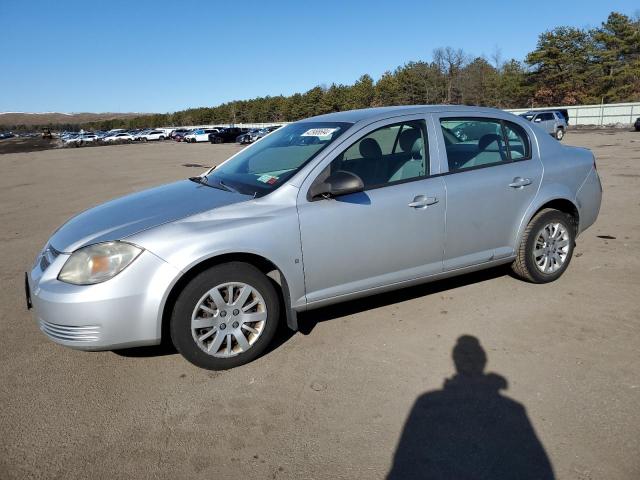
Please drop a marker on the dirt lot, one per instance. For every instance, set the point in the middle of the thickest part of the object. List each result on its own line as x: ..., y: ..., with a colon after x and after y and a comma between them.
x: 334, y: 401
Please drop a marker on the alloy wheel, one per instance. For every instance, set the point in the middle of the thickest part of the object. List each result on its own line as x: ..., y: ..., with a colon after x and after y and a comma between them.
x: 228, y: 319
x: 551, y: 247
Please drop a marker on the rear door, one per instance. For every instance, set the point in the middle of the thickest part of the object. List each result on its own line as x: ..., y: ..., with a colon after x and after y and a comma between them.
x: 390, y: 233
x: 490, y: 183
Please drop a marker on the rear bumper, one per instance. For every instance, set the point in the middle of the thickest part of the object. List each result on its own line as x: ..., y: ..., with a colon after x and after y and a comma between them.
x: 124, y: 311
x: 589, y: 199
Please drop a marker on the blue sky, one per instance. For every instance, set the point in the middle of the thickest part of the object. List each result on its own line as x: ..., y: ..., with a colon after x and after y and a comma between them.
x: 157, y: 56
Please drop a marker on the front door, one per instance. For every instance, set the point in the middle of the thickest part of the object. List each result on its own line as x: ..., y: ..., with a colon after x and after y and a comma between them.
x: 391, y: 232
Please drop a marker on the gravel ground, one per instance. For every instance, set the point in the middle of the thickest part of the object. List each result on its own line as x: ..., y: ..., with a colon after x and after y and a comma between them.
x: 562, y: 388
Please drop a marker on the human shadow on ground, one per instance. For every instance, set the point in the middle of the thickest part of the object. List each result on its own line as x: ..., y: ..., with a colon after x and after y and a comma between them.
x: 469, y: 429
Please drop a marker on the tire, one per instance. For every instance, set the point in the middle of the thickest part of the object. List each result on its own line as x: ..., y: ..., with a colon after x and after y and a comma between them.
x: 531, y: 260
x: 145, y: 139
x: 227, y: 319
x: 161, y: 139
x: 560, y: 134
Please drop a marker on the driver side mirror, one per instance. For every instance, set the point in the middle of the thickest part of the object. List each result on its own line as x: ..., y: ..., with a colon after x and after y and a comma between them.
x: 337, y: 184
x: 537, y: 120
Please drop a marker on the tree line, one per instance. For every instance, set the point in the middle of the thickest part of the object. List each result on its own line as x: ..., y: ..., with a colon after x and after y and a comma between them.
x: 569, y: 66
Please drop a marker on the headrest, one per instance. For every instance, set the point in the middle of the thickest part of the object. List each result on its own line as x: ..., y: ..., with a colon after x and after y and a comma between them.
x: 369, y: 148
x: 488, y: 139
x: 407, y: 139
x: 417, y: 150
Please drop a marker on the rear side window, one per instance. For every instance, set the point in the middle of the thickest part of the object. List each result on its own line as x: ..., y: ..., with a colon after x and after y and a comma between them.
x: 519, y: 145
x: 473, y: 142
x: 479, y: 142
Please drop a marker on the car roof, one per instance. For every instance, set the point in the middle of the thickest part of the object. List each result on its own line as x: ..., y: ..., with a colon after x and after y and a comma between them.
x: 379, y: 113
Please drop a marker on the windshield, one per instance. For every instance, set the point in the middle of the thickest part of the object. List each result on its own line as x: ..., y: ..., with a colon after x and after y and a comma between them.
x: 264, y: 166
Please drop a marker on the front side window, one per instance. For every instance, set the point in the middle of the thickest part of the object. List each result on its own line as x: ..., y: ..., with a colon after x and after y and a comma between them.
x: 267, y: 164
x: 388, y: 155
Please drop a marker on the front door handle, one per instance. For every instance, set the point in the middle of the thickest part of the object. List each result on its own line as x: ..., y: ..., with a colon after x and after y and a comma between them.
x: 422, y: 201
x: 520, y: 182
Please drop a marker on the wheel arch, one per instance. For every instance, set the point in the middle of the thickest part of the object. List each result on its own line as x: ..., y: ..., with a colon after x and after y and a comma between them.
x: 263, y: 264
x: 562, y: 204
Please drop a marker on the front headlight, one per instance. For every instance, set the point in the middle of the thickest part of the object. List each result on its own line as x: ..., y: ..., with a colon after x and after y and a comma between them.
x: 97, y: 263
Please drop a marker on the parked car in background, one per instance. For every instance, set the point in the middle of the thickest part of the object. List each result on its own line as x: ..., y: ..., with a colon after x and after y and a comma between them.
x: 137, y: 134
x: 552, y: 121
x: 118, y: 137
x: 179, y: 137
x: 179, y: 131
x: 200, y: 135
x: 4, y: 135
x: 466, y: 131
x: 263, y: 132
x: 226, y: 135
x: 637, y: 124
x: 80, y: 139
x: 247, y: 137
x: 153, y: 135
x: 405, y: 203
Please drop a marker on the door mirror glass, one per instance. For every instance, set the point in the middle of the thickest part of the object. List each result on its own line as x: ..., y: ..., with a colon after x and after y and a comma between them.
x: 538, y: 119
x: 337, y: 184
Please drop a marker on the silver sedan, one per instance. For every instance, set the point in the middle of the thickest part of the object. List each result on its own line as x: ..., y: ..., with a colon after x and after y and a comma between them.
x: 320, y: 211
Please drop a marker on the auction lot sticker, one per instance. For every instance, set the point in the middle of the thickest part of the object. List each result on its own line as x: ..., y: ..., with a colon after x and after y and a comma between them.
x: 318, y: 132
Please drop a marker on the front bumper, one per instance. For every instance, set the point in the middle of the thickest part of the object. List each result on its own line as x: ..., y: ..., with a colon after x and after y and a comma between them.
x: 124, y: 311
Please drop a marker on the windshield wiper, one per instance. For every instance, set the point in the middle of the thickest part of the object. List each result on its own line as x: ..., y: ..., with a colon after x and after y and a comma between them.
x: 204, y: 180
x: 227, y: 187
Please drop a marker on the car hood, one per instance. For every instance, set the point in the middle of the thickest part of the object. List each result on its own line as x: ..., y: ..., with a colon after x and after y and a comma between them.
x: 140, y: 211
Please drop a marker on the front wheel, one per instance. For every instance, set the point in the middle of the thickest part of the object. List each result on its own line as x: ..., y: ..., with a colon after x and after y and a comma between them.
x: 559, y: 134
x: 225, y: 317
x: 546, y: 247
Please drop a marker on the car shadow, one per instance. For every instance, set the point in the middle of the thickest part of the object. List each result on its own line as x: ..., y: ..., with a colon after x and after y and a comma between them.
x: 307, y: 321
x: 165, y: 348
x: 468, y: 429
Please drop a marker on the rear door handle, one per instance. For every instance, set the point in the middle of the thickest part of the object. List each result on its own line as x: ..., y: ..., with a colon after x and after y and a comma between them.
x: 422, y: 201
x: 520, y: 182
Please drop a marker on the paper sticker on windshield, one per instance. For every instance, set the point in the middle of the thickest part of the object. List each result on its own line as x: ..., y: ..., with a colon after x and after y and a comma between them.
x: 270, y: 179
x: 318, y: 132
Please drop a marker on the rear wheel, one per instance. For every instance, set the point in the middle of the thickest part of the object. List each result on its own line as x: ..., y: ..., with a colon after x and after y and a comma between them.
x: 546, y: 247
x: 560, y: 134
x: 225, y: 317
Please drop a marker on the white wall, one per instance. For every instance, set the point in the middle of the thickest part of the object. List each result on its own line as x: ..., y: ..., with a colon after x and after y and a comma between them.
x: 605, y: 114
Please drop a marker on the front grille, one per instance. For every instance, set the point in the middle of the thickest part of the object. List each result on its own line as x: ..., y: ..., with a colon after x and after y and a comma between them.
x: 48, y: 256
x: 88, y: 333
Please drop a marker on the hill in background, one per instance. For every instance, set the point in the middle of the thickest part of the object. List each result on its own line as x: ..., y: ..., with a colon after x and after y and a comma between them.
x: 56, y: 118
